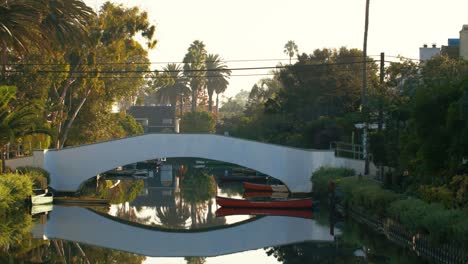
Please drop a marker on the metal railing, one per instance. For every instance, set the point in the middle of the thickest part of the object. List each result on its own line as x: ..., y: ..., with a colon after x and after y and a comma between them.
x: 347, y: 150
x: 447, y: 253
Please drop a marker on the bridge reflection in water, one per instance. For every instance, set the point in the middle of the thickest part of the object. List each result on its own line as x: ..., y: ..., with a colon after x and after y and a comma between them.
x: 85, y: 226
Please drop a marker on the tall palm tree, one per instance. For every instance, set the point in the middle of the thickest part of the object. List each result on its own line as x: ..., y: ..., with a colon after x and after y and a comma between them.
x: 290, y: 48
x: 66, y: 21
x: 194, y: 69
x: 174, y: 88
x: 217, y: 76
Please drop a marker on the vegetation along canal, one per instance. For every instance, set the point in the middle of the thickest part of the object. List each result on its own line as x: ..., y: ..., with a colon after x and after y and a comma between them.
x: 178, y: 220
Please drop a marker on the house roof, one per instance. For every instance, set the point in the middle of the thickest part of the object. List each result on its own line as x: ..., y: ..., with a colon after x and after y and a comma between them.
x: 154, y: 114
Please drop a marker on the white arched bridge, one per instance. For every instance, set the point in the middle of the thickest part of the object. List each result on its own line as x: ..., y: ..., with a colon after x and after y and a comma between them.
x: 70, y: 167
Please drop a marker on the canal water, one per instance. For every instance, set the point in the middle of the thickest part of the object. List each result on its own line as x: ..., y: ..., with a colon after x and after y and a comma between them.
x: 171, y: 216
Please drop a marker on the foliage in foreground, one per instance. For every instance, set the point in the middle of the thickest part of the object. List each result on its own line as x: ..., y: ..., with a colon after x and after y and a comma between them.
x: 14, y: 191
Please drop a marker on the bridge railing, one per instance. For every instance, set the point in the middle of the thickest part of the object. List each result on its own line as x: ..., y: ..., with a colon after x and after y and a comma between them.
x: 19, y: 149
x: 347, y: 150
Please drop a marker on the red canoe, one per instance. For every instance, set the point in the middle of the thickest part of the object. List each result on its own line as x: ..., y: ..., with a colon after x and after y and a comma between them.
x: 265, y: 187
x: 292, y: 203
x: 223, y: 211
x: 275, y: 195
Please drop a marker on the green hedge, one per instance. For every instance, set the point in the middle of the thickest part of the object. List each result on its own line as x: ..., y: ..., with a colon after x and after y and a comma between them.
x: 367, y: 194
x: 443, y: 225
x: 322, y: 177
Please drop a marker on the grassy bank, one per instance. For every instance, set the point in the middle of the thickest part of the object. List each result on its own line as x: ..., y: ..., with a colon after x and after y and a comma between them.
x: 440, y: 223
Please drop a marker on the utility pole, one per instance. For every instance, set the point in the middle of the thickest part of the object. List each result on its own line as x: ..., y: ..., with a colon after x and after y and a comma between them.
x: 381, y: 94
x: 382, y: 76
x: 364, y: 92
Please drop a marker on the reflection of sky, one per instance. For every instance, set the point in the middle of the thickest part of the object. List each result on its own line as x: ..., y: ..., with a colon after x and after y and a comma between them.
x: 258, y: 256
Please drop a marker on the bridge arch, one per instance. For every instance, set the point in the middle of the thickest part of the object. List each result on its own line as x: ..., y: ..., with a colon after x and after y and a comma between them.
x: 70, y: 167
x: 85, y: 226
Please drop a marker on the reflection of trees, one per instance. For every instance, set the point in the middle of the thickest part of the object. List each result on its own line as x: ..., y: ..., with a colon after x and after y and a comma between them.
x: 374, y: 248
x: 175, y: 215
x: 13, y: 227
x: 18, y: 246
x: 129, y: 213
x: 126, y: 191
x: 195, y: 260
x: 198, y: 189
x: 61, y: 251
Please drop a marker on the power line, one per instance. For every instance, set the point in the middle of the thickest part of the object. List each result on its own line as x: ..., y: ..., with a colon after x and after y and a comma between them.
x: 155, y: 62
x: 207, y: 70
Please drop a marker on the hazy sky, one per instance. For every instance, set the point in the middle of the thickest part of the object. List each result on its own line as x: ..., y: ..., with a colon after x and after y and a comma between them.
x: 258, y: 29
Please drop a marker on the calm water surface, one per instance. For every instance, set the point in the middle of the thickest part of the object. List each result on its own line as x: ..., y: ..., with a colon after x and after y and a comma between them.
x: 174, y: 218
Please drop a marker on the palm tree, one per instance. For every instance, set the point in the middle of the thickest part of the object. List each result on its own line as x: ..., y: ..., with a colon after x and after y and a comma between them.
x: 217, y: 76
x: 66, y: 21
x: 16, y: 121
x: 194, y: 69
x: 290, y: 48
x: 41, y: 23
x: 175, y: 87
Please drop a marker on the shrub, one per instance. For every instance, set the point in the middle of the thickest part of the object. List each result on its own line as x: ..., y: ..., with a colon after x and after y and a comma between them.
x: 36, y: 174
x: 459, y: 185
x: 440, y: 194
x: 322, y: 177
x: 367, y: 194
x: 442, y: 225
x: 15, y: 189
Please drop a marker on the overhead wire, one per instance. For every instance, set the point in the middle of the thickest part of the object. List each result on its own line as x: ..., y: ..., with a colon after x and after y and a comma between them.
x: 297, y: 67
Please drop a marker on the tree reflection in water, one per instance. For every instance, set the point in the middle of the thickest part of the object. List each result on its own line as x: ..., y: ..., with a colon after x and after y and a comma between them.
x: 174, y: 215
x: 355, y: 245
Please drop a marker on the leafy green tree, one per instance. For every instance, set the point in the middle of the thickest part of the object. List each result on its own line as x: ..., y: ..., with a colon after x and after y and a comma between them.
x: 217, y: 77
x: 194, y: 69
x: 435, y: 141
x: 92, y: 80
x: 197, y: 122
x: 290, y: 49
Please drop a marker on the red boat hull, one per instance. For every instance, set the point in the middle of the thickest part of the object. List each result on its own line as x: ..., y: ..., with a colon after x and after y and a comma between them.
x: 223, y: 211
x: 276, y: 195
x: 294, y: 203
x: 265, y: 187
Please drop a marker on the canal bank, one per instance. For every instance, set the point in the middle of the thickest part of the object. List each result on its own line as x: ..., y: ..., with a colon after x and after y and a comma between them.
x: 429, y: 229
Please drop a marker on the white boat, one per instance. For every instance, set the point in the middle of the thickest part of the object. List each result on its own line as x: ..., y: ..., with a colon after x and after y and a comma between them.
x: 41, y: 197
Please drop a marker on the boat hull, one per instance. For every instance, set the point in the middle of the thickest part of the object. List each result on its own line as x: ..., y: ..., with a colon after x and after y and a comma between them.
x: 256, y: 194
x: 293, y: 203
x: 46, y: 198
x: 265, y: 187
x: 78, y: 200
x: 223, y: 211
